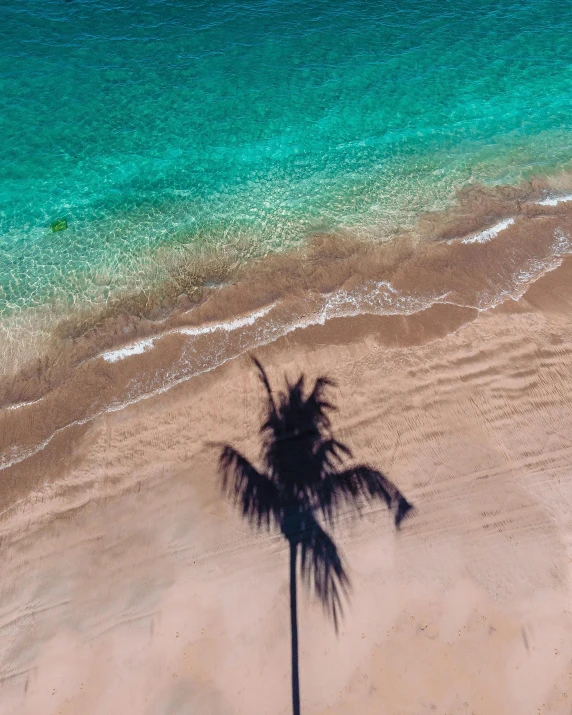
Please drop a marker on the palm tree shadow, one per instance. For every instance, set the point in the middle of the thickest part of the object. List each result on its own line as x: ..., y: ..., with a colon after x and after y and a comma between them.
x: 300, y: 491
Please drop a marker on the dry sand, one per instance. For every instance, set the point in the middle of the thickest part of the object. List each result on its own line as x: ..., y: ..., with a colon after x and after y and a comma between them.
x: 129, y: 586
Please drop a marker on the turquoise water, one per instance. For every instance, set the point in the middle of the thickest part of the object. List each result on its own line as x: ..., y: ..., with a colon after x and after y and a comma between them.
x: 156, y: 123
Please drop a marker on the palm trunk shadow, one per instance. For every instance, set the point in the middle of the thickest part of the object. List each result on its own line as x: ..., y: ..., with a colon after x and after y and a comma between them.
x: 294, y: 631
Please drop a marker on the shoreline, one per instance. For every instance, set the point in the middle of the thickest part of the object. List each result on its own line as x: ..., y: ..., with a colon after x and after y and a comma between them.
x: 191, y: 280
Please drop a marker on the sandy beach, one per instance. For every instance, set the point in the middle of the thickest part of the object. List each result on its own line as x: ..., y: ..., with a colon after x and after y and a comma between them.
x: 130, y: 585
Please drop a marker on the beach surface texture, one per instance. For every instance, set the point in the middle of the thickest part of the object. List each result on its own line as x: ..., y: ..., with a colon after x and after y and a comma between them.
x: 375, y: 193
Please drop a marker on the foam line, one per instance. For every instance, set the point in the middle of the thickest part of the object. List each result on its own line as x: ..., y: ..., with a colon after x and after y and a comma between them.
x: 135, y: 349
x: 554, y: 200
x: 18, y: 405
x: 228, y: 326
x: 489, y: 233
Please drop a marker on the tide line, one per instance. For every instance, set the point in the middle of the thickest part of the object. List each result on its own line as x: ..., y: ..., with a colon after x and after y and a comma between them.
x: 145, y: 345
x: 489, y: 233
x: 554, y: 200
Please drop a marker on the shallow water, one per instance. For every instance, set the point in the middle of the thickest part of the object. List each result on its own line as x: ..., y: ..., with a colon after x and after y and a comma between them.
x: 158, y: 124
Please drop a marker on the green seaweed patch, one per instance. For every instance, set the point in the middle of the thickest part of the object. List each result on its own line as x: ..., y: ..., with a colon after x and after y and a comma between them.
x: 60, y: 224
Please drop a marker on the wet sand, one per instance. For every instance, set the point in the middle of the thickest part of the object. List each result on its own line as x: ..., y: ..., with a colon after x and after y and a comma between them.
x: 129, y: 585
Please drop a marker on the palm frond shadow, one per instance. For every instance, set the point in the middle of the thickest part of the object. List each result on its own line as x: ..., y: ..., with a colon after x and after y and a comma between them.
x: 301, y: 489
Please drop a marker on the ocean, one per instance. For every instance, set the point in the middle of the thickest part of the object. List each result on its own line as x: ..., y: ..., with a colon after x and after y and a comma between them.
x: 154, y: 125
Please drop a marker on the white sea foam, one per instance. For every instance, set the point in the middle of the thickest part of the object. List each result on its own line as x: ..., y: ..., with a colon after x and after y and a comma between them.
x: 228, y: 326
x: 374, y: 298
x: 489, y: 233
x: 554, y: 200
x: 532, y: 270
x: 18, y: 405
x: 135, y: 349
